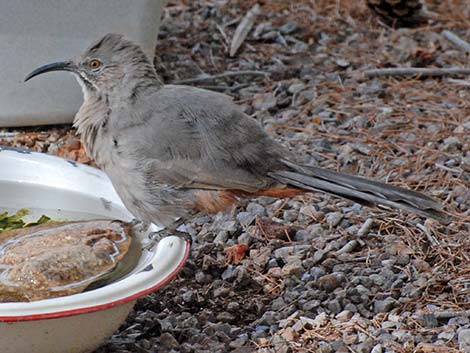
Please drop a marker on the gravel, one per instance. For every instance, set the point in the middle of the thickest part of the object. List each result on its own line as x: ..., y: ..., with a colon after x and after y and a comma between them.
x: 464, y: 340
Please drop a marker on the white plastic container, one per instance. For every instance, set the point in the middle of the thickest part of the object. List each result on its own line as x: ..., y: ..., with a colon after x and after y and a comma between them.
x: 33, y: 33
x: 77, y: 323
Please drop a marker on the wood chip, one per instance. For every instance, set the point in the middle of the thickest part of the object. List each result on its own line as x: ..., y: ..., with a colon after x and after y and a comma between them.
x: 243, y: 29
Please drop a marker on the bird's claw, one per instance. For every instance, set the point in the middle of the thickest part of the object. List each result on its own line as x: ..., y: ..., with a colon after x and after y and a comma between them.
x: 155, y: 237
x: 138, y: 225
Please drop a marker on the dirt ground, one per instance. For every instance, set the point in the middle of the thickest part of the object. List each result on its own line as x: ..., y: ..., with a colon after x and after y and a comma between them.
x: 318, y: 274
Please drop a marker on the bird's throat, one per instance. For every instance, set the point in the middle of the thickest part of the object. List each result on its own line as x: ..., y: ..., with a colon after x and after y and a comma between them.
x: 90, y: 120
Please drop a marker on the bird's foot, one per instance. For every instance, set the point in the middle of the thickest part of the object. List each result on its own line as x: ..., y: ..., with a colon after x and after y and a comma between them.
x: 137, y: 225
x: 155, y: 237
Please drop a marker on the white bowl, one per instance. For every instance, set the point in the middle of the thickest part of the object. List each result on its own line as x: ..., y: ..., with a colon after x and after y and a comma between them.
x: 78, y: 323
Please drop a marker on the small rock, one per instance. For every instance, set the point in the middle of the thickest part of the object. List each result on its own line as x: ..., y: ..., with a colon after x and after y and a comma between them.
x: 315, y: 231
x: 377, y: 349
x: 331, y: 281
x: 221, y: 237
x: 269, y: 318
x: 334, y: 218
x: 168, y: 341
x: 245, y: 238
x: 389, y: 262
x: 289, y: 334
x: 334, y: 306
x: 228, y: 274
x: 165, y: 325
x: 284, y: 252
x: 306, y: 277
x: 188, y: 297
x: 450, y: 143
x: 305, y: 96
x: 308, y: 323
x: 446, y: 336
x: 401, y: 335
x: 228, y: 226
x: 421, y: 265
x: 261, y: 257
x: 325, y: 347
x: 290, y: 215
x: 270, y: 35
x: 317, y: 272
x: 458, y: 321
x: 319, y: 256
x: 202, y: 278
x: 279, y: 344
x: 233, y: 306
x: 273, y: 263
x: 275, y: 229
x: 292, y: 270
x: 276, y: 272
x: 377, y: 279
x: 464, y: 340
x: 342, y: 63
x: 339, y: 346
x: 364, y: 347
x: 296, y: 88
x: 290, y: 295
x: 429, y: 320
x: 311, y: 305
x: 242, y: 276
x: 349, y: 336
x: 246, y: 218
x: 383, y: 306
x: 239, y: 341
x: 350, y: 307
x: 264, y: 101
x: 344, y: 316
x: 403, y: 259
x: 389, y: 324
x: 278, y: 304
x: 225, y: 317
x: 288, y: 321
x: 288, y: 28
x: 256, y: 209
x: 302, y: 235
x: 221, y: 292
x: 320, y: 320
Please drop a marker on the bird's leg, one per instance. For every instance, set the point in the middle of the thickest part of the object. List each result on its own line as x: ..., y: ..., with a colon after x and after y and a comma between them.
x: 155, y: 237
x: 139, y: 225
x: 136, y: 224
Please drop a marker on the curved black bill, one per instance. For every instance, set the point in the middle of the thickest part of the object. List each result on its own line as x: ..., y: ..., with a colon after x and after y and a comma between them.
x: 59, y: 66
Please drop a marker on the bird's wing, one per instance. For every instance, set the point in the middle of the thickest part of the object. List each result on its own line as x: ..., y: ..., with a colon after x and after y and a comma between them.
x: 193, y: 138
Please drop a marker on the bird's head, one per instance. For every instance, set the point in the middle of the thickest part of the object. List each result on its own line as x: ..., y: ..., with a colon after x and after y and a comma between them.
x: 107, y: 65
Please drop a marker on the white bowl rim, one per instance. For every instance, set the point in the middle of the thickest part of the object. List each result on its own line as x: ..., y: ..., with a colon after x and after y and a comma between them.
x: 80, y: 303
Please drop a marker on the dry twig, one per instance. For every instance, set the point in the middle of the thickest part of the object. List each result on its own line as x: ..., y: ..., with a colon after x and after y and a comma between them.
x: 222, y: 75
x: 431, y: 238
x: 463, y: 83
x: 417, y: 71
x: 442, y: 315
x: 452, y: 37
x: 244, y: 28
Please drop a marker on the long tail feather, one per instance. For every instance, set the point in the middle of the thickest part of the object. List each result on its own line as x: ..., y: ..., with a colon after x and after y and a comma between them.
x: 359, y: 190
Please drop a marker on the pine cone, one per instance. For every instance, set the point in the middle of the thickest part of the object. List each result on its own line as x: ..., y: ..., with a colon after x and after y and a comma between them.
x: 400, y: 13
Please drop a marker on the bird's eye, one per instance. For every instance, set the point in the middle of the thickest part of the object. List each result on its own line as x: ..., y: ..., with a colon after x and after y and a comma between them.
x: 95, y: 64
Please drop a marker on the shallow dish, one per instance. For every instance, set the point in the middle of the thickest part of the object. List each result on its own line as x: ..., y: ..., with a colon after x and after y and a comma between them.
x: 64, y: 189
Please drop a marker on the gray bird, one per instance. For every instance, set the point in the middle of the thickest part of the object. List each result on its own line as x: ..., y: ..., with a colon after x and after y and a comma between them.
x: 174, y: 151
